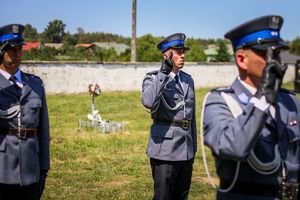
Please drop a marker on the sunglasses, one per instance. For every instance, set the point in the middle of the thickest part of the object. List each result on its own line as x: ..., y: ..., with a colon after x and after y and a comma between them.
x: 263, y: 53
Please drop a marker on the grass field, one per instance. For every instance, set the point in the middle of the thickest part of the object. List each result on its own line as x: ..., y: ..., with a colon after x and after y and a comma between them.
x: 86, y: 164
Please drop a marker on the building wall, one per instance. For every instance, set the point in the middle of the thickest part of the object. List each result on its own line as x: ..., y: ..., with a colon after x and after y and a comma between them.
x: 75, y: 77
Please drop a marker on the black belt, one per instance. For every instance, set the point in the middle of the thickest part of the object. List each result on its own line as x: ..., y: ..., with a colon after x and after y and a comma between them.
x: 21, y: 133
x: 185, y: 124
x: 251, y: 189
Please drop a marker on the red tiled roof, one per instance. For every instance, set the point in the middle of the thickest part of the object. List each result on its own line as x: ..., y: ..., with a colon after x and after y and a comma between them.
x: 31, y: 45
x: 84, y: 45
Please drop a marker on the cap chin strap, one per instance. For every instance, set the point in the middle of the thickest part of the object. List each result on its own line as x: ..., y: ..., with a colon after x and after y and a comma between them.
x: 256, y: 42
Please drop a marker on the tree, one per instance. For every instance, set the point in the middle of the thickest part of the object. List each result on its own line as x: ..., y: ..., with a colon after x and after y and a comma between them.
x: 55, y: 31
x: 147, y: 50
x: 30, y: 33
x: 295, y: 46
x: 222, y: 52
x: 69, y: 39
x: 196, y: 53
x: 80, y: 30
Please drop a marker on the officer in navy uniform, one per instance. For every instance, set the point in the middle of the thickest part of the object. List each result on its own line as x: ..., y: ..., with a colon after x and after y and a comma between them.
x: 252, y: 127
x: 170, y: 96
x: 24, y: 126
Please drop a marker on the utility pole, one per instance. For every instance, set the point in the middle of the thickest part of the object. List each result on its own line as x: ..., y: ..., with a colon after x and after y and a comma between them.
x: 133, y: 36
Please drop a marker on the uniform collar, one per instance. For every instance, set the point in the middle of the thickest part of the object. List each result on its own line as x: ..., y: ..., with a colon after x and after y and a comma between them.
x: 250, y: 88
x: 172, y: 74
x: 18, y: 75
x: 5, y: 74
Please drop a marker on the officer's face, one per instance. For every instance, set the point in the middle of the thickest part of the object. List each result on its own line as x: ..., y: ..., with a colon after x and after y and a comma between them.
x: 12, y: 59
x: 178, y: 57
x: 252, y: 63
x: 255, y: 62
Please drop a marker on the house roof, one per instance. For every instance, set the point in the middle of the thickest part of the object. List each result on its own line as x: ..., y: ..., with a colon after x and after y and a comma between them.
x: 54, y: 45
x: 88, y: 45
x: 31, y: 45
x: 119, y: 47
x: 212, y: 50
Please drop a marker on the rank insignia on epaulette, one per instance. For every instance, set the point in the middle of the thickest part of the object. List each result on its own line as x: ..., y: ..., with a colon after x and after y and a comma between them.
x: 243, y: 98
x: 224, y: 89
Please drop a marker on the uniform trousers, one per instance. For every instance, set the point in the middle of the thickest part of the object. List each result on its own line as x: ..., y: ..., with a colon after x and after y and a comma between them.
x: 17, y: 192
x: 172, y: 179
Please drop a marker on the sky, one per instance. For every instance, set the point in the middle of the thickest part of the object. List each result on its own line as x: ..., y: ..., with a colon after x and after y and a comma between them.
x: 205, y: 19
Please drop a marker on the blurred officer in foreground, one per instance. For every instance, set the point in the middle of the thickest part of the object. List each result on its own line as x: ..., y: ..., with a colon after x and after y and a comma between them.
x: 169, y: 94
x: 24, y: 126
x: 252, y: 127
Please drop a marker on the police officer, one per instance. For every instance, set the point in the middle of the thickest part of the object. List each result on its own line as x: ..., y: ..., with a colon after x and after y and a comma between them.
x: 169, y: 94
x: 24, y: 126
x: 252, y: 127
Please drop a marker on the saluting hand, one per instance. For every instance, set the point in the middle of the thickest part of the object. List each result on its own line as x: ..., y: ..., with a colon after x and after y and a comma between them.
x: 167, y: 64
x: 271, y: 81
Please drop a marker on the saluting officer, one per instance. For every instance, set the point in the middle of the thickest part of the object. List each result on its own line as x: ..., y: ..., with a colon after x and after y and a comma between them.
x: 24, y: 126
x: 252, y: 127
x: 169, y: 94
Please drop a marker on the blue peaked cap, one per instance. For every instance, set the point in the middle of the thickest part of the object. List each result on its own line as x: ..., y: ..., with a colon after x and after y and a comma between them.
x: 259, y: 33
x: 173, y: 41
x: 12, y: 33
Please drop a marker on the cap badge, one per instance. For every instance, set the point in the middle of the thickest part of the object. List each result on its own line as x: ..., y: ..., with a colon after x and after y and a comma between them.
x: 275, y: 22
x: 259, y: 40
x: 15, y: 29
x: 274, y: 33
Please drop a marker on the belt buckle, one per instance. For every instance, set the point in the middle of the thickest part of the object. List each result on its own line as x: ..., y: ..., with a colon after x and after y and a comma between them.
x: 22, y: 134
x: 289, y: 191
x: 185, y: 124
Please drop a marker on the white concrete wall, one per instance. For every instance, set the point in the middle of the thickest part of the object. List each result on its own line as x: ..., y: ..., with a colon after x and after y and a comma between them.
x: 75, y: 77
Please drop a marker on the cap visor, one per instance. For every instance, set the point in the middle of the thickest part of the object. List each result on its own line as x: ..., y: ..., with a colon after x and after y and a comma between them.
x: 276, y: 45
x: 180, y: 47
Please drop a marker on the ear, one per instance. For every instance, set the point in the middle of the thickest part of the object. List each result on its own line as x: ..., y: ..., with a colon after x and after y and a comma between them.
x: 241, y: 59
x: 165, y: 54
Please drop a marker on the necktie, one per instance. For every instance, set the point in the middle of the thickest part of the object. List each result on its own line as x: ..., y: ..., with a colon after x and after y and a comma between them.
x: 176, y: 79
x: 14, y: 80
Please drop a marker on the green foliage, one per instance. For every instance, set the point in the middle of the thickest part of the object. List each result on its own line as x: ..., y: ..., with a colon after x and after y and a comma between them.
x: 147, y: 50
x: 44, y: 53
x: 69, y: 39
x: 55, y: 31
x: 30, y: 33
x: 295, y: 46
x: 196, y: 53
x: 146, y: 46
x: 100, y: 37
x: 222, y: 52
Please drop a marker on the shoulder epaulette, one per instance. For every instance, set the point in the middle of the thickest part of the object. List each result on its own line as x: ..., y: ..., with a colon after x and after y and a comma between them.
x: 223, y: 89
x: 152, y: 72
x: 31, y: 75
x: 185, y: 73
x: 287, y: 91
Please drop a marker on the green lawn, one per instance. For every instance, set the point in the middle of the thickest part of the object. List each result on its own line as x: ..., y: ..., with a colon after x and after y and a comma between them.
x: 86, y: 164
